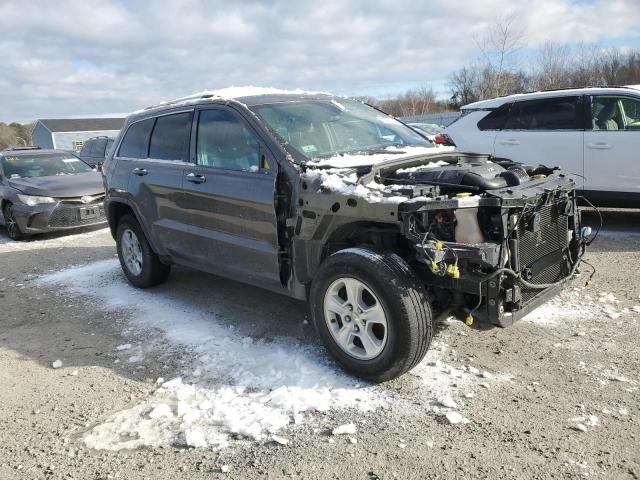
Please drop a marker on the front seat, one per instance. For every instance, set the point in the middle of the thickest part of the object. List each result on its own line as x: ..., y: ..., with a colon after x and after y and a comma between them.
x: 604, y: 120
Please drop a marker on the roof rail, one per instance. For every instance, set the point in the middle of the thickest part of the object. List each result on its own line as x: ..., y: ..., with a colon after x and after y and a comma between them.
x: 13, y: 149
x: 182, y: 99
x: 575, y: 88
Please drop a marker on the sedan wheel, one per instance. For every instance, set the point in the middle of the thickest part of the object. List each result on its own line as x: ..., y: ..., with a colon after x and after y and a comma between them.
x: 13, y: 230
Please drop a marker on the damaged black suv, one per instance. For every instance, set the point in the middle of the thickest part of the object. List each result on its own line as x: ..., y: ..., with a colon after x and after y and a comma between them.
x: 329, y: 200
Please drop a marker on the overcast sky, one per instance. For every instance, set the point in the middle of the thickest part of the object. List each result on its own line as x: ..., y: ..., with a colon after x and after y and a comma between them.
x: 77, y: 57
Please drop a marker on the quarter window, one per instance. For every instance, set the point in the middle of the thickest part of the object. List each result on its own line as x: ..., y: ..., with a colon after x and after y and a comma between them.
x: 496, y: 119
x: 225, y: 142
x: 170, y: 137
x: 136, y: 140
x: 560, y: 113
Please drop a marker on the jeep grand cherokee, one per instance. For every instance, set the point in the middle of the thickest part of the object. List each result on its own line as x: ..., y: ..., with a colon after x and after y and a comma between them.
x: 331, y: 201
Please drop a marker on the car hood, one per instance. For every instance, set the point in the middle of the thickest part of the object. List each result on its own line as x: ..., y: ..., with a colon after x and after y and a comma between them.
x: 60, y: 186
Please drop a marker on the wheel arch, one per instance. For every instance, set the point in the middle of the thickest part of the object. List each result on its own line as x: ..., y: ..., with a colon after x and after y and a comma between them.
x: 116, y: 210
x: 3, y: 203
x: 377, y: 236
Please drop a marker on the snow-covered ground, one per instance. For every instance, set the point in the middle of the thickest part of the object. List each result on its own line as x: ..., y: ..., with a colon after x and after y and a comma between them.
x: 237, y: 386
x: 232, y: 385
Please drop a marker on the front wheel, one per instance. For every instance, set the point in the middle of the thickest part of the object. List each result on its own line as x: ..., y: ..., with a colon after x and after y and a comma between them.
x: 139, y: 262
x: 13, y: 229
x: 372, y: 313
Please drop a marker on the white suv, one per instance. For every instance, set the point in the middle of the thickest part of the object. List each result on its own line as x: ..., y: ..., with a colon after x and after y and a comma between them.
x: 591, y: 132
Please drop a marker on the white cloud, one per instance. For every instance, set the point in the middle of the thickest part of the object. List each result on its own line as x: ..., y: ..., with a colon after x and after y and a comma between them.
x: 94, y: 56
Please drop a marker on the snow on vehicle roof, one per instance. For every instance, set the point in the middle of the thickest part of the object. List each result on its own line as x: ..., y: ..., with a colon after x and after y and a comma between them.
x: 231, y: 93
x: 496, y: 102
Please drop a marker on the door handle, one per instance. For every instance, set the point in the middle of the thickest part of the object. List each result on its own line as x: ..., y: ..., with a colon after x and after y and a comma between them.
x: 140, y: 171
x: 599, y: 145
x: 510, y: 142
x: 195, y: 178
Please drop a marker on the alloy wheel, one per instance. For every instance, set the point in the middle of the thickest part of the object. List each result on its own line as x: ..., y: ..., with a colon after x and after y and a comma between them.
x: 356, y: 318
x: 132, y: 252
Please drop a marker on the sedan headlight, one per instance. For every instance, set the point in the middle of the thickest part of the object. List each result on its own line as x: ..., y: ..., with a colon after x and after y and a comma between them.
x: 35, y: 200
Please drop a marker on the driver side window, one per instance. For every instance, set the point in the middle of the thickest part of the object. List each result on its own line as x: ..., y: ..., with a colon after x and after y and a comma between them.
x: 225, y: 142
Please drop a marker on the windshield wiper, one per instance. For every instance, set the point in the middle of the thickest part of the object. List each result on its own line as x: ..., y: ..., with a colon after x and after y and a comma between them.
x: 391, y: 152
x: 369, y: 151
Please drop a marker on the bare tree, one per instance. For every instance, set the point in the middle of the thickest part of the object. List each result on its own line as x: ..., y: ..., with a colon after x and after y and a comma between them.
x: 15, y: 135
x: 463, y: 86
x: 413, y: 102
x: 499, y: 48
x: 553, y: 67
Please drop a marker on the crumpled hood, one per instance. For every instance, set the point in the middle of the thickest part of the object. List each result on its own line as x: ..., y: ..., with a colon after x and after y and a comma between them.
x: 60, y: 186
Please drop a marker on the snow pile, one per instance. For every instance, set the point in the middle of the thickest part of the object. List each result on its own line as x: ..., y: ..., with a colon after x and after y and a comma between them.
x: 341, y: 181
x: 426, y: 166
x: 395, y: 153
x: 347, y: 429
x: 232, y: 386
x: 581, y: 423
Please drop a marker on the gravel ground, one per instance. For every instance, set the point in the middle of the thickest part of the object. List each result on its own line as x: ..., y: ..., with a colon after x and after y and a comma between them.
x: 554, y: 396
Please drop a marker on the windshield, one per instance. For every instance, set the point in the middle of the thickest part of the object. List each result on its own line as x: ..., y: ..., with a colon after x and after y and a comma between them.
x: 324, y: 128
x: 42, y: 165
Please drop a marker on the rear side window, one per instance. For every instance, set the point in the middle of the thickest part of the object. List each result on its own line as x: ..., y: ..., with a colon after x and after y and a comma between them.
x: 496, y: 119
x: 560, y: 113
x: 170, y: 137
x: 136, y: 140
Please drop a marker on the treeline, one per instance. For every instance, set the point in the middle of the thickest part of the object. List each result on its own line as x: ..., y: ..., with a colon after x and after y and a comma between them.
x: 413, y: 102
x: 556, y: 66
x: 499, y: 69
x: 15, y: 135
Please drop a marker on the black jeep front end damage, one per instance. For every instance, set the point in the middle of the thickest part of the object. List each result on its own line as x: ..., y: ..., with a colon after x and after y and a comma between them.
x: 530, y: 246
x: 491, y: 239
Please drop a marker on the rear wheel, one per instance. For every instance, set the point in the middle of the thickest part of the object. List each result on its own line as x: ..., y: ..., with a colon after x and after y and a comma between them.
x: 139, y: 262
x: 13, y: 229
x: 372, y: 313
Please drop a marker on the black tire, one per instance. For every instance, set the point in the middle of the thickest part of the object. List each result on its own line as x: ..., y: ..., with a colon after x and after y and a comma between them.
x: 13, y: 230
x: 404, y: 301
x: 152, y: 270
